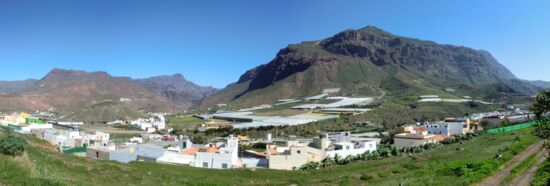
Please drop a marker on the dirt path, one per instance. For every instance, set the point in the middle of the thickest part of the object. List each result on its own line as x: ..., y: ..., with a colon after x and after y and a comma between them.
x: 497, y: 178
x: 525, y: 178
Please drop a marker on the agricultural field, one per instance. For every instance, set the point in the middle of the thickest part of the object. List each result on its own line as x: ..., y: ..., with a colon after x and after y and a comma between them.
x: 464, y: 164
x: 184, y: 123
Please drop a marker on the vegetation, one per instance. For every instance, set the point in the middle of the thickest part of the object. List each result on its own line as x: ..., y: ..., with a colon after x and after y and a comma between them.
x: 542, y: 177
x: 418, y: 169
x: 541, y: 107
x: 12, y: 145
x: 179, y: 123
x: 520, y: 169
x: 184, y: 119
x: 386, y: 151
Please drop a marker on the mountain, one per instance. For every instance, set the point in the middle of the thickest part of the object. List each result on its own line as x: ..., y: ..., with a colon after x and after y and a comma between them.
x: 105, y: 111
x: 177, y: 89
x: 15, y: 86
x: 543, y: 84
x: 98, y: 96
x: 71, y: 90
x: 371, y: 62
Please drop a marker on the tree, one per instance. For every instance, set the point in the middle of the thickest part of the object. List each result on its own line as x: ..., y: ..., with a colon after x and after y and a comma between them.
x: 541, y: 107
x: 486, y: 125
x: 505, y: 122
x: 12, y: 145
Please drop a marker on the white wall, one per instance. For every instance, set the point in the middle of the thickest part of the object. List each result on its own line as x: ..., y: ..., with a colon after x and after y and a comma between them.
x: 214, y: 160
x: 366, y: 146
x: 405, y: 142
x: 176, y: 158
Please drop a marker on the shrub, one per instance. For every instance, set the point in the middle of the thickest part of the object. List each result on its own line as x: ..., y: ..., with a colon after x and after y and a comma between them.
x: 542, y: 177
x: 12, y: 145
x: 366, y: 177
x: 462, y: 168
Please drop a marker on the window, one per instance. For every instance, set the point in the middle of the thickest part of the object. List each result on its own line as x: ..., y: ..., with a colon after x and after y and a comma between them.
x: 224, y: 165
x: 204, y: 164
x: 347, y: 147
x: 299, y: 152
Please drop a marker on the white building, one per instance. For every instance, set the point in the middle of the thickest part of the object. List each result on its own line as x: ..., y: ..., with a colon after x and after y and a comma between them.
x: 411, y: 140
x: 293, y: 155
x: 226, y: 157
x: 177, y: 155
x: 343, y: 145
x: 449, y: 127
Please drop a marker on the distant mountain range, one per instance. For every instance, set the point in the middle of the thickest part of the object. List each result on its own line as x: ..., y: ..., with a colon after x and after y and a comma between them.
x: 79, y: 92
x: 373, y: 62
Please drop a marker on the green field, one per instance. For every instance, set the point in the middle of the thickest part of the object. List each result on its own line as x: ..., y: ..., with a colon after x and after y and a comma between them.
x: 184, y: 123
x: 446, y: 165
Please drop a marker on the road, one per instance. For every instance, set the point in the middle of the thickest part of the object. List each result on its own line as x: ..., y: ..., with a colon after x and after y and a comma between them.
x: 498, y: 178
x: 525, y: 178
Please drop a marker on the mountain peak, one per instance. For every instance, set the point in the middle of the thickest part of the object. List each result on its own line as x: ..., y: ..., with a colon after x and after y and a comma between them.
x: 178, y: 76
x: 59, y: 71
x: 370, y: 28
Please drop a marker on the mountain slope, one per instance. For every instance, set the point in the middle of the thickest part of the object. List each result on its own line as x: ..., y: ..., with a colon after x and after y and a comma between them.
x: 543, y: 84
x: 16, y: 86
x: 368, y: 62
x: 71, y: 90
x: 176, y: 89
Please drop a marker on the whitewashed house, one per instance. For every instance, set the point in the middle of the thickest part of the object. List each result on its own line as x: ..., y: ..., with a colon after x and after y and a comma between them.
x: 225, y: 157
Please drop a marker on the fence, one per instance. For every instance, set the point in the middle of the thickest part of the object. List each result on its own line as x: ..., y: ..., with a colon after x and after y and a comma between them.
x: 76, y: 149
x: 510, y: 128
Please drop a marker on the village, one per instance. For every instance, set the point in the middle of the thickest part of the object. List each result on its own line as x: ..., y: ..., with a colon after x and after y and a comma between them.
x: 158, y: 144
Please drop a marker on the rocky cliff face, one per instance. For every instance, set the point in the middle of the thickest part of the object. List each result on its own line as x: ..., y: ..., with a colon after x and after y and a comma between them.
x: 366, y: 61
x: 382, y: 48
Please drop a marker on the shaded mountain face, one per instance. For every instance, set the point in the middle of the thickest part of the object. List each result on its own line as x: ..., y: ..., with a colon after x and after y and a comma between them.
x: 177, y: 89
x: 16, y: 86
x: 369, y: 62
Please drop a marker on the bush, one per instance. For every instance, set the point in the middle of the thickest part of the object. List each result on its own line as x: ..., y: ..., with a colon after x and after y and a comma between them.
x: 12, y: 145
x: 366, y: 177
x: 310, y: 166
x: 461, y: 168
x: 542, y: 177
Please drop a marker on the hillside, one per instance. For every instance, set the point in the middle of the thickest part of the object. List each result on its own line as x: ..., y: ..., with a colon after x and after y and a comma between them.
x: 77, y: 92
x: 106, y: 111
x: 42, y: 165
x: 177, y: 89
x: 70, y: 90
x: 544, y: 84
x: 371, y: 62
x: 16, y: 86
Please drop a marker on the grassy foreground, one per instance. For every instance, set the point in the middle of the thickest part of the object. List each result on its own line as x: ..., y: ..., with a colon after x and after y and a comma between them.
x: 542, y: 177
x: 446, y: 165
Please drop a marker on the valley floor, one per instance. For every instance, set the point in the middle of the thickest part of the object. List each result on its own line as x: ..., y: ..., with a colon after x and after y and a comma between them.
x: 464, y: 164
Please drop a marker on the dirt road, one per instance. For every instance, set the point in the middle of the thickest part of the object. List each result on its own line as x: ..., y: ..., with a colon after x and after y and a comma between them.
x: 498, y: 178
x: 526, y: 178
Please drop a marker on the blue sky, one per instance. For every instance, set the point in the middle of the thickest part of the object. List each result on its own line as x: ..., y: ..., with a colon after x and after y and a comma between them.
x: 214, y: 42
